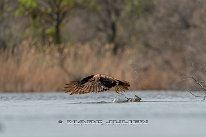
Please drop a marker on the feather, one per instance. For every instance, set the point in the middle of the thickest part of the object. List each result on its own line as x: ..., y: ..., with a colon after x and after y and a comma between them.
x: 95, y: 83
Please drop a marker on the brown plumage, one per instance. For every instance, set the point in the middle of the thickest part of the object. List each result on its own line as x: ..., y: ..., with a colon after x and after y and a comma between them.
x: 96, y: 83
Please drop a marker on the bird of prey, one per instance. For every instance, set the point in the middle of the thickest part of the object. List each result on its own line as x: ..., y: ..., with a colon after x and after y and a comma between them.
x: 96, y: 83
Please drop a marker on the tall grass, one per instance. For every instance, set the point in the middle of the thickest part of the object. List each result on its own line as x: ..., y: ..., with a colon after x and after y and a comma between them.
x: 29, y: 68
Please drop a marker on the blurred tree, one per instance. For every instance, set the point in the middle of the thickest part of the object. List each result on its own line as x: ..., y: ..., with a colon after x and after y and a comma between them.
x: 109, y: 12
x: 112, y: 13
x: 2, y: 45
x: 139, y: 8
x: 4, y: 11
x: 48, y: 15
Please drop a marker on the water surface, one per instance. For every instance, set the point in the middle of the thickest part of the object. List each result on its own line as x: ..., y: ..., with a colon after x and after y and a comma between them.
x: 169, y: 113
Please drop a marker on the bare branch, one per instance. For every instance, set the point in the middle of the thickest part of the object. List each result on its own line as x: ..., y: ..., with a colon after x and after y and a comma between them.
x: 200, y: 84
x: 193, y: 94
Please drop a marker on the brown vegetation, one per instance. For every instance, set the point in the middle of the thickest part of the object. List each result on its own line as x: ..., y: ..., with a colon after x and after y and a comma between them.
x: 28, y: 68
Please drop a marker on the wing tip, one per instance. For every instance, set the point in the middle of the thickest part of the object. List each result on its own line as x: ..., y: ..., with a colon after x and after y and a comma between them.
x: 67, y: 91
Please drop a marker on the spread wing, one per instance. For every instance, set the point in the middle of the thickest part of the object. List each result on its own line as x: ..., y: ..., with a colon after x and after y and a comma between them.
x: 90, y: 84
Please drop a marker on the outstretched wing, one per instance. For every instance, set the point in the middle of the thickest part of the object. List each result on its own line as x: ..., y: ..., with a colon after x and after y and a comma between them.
x: 90, y: 84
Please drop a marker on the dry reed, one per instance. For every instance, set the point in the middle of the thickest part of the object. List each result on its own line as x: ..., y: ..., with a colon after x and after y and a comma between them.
x: 28, y: 68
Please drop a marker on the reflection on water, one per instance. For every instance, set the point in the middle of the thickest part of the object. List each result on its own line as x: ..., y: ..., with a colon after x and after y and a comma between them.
x: 166, y: 112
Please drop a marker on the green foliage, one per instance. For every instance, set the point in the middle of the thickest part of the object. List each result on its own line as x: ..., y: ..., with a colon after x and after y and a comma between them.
x: 138, y: 8
x: 134, y: 7
x: 50, y: 31
x: 94, y: 6
x: 47, y: 16
x: 26, y: 7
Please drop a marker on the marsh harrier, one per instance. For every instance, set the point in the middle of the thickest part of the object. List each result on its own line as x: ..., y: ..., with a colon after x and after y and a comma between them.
x: 96, y: 83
